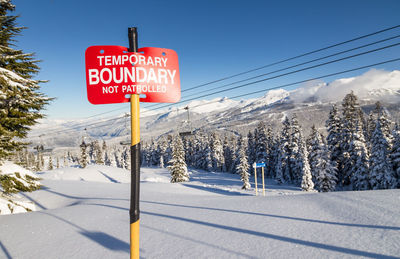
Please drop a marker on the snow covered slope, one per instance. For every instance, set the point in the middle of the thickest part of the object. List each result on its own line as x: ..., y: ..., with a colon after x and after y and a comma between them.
x: 208, y: 217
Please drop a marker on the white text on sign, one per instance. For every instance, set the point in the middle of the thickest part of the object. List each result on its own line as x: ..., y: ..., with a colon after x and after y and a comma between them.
x: 147, y: 80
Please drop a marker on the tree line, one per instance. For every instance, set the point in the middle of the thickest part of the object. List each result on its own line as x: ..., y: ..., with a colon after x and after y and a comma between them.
x: 359, y: 152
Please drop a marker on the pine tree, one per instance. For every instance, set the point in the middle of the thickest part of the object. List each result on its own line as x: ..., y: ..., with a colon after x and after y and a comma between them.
x: 297, y: 147
x: 117, y: 158
x: 395, y: 154
x: 298, y: 159
x: 41, y: 160
x: 386, y: 124
x: 177, y: 167
x: 98, y: 153
x: 283, y: 165
x: 83, y: 158
x: 161, y: 162
x: 50, y: 166
x: 251, y: 148
x: 306, y: 181
x: 235, y: 156
x: 359, y: 158
x: 243, y: 168
x: 217, y: 152
x: 163, y: 148
x: 334, y: 139
x: 57, y: 162
x: 352, y: 144
x: 232, y: 158
x: 20, y: 99
x: 323, y: 170
x: 199, y: 156
x: 65, y: 161
x: 370, y: 126
x: 227, y: 154
x: 92, y: 152
x: 381, y: 173
x: 270, y: 146
x: 314, y: 143
x: 260, y: 137
x: 155, y: 155
x: 207, y: 165
x: 126, y: 158
x: 104, y: 146
x: 107, y: 159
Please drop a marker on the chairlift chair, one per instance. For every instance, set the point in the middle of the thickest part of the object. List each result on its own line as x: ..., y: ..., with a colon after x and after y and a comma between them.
x: 185, y: 131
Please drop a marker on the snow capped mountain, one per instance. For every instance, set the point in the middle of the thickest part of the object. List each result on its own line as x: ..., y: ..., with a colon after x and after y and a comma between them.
x: 217, y: 104
x: 311, y: 102
x: 269, y: 98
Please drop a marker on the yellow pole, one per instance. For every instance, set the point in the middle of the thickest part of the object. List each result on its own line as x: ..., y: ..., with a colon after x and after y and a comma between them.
x: 135, y: 176
x: 255, y: 179
x: 262, y: 170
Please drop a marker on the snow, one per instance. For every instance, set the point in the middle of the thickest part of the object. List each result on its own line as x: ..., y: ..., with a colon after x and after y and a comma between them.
x: 84, y: 214
x: 15, y: 203
x: 8, y: 167
x: 13, y: 79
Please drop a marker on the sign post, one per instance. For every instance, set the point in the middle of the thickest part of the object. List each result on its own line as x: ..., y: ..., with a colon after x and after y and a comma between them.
x: 255, y: 178
x: 134, y: 211
x: 257, y: 165
x: 262, y: 173
x: 116, y: 74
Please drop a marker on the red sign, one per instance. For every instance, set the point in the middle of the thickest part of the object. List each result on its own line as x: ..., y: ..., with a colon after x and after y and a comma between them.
x: 113, y: 74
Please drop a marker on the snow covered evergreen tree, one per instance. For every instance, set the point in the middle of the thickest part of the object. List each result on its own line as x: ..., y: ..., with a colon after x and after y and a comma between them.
x: 126, y: 158
x: 352, y: 145
x: 297, y: 147
x: 217, y: 153
x: 381, y: 173
x: 323, y: 170
x: 251, y: 148
x: 117, y: 158
x: 57, y: 162
x: 243, y: 168
x: 334, y: 138
x: 227, y: 153
x: 50, y: 165
x: 98, y: 153
x: 370, y: 126
x: 65, y: 161
x: 207, y: 161
x: 199, y: 154
x: 395, y: 154
x: 20, y: 99
x: 306, y: 181
x: 83, y: 159
x: 283, y: 157
x: 235, y: 156
x: 107, y: 158
x: 177, y: 167
x: 270, y: 147
x: 358, y: 160
x: 162, y: 149
x: 161, y: 161
x: 260, y: 137
x: 385, y: 123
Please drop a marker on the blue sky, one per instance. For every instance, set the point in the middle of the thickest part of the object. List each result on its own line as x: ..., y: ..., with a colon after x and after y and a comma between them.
x: 213, y: 39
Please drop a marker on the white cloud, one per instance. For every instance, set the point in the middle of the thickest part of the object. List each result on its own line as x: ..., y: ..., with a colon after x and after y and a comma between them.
x: 374, y: 84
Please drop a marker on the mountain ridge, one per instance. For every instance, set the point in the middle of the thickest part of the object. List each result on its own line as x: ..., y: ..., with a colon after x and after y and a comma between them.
x: 310, y: 102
